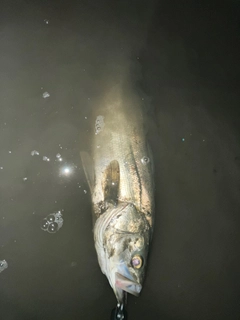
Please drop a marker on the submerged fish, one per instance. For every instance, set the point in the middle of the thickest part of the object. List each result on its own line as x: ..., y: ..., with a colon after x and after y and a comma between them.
x: 119, y: 171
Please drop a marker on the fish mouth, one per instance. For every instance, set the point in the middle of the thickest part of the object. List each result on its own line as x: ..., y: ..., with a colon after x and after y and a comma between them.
x: 127, y: 284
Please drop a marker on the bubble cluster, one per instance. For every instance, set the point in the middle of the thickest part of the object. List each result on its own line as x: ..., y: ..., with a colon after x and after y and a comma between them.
x: 3, y: 265
x: 99, y: 124
x: 52, y: 223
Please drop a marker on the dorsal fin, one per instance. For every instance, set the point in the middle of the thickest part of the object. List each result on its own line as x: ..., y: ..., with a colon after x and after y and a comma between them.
x: 110, y: 183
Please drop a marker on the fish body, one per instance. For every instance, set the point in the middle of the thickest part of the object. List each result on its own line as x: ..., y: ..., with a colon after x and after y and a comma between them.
x: 119, y: 170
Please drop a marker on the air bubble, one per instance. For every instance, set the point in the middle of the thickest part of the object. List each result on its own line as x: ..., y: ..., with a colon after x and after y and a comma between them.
x: 53, y: 227
x: 51, y: 218
x: 145, y: 160
x: 45, y: 224
x: 99, y: 124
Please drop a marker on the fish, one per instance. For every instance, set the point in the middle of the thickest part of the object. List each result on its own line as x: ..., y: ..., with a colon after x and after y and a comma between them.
x: 120, y: 173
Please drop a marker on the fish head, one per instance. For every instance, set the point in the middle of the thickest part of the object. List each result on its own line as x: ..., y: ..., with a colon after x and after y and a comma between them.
x: 125, y: 245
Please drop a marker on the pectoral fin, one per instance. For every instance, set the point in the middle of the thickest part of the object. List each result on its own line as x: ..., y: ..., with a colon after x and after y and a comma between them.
x: 110, y: 183
x: 88, y: 169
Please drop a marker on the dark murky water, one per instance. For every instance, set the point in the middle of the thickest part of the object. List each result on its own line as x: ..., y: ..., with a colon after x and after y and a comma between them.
x: 189, y: 62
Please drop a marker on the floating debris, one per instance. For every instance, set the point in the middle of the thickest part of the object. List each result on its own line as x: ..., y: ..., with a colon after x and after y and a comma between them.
x: 85, y: 191
x: 53, y: 222
x: 183, y: 139
x: 25, y: 179
x: 58, y: 156
x: 1, y: 168
x: 46, y: 21
x: 9, y: 151
x: 3, y: 265
x: 45, y: 158
x: 34, y: 153
x: 46, y: 95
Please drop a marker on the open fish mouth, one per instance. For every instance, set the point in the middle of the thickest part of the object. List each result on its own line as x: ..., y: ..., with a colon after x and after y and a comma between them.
x: 127, y: 284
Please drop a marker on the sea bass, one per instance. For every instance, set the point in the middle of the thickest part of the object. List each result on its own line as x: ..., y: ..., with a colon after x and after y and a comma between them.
x: 119, y: 171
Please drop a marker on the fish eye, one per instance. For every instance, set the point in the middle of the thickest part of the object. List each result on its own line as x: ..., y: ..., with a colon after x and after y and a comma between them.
x: 145, y: 160
x: 137, y: 262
